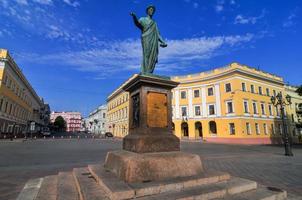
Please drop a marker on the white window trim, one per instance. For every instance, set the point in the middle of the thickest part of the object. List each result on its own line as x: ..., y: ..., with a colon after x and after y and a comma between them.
x: 244, y: 86
x: 265, y: 129
x: 186, y: 110
x: 257, y: 128
x: 185, y: 92
x: 214, y: 110
x: 226, y: 108
x: 194, y: 89
x: 272, y: 109
x: 248, y: 107
x: 200, y: 111
x: 264, y: 109
x: 250, y: 127
x: 225, y: 87
x: 208, y: 91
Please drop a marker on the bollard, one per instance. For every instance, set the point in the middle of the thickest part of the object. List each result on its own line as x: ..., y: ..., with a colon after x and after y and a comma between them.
x: 15, y: 136
x: 35, y: 137
x: 78, y: 137
x: 44, y: 137
x: 4, y: 136
x: 53, y: 137
x: 69, y: 137
x: 86, y: 136
x: 62, y: 137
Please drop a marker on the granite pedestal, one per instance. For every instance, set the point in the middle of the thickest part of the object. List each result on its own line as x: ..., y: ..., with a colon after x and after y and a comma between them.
x: 150, y: 151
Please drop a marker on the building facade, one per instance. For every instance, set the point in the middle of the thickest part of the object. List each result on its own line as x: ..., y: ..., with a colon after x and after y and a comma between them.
x: 231, y: 104
x: 228, y: 105
x: 118, y: 111
x: 73, y: 120
x: 20, y: 105
x: 96, y: 122
x: 294, y: 112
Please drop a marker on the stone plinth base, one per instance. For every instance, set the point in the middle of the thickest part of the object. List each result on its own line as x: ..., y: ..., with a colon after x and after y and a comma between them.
x: 145, y: 143
x: 133, y: 167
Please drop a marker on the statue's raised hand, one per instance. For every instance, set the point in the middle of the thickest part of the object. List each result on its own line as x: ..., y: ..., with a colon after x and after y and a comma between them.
x: 133, y: 14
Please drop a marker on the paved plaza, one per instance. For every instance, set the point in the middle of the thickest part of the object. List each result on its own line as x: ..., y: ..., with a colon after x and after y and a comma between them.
x: 20, y: 161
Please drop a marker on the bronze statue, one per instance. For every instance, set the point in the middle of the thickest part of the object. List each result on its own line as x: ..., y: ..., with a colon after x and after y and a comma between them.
x: 150, y: 40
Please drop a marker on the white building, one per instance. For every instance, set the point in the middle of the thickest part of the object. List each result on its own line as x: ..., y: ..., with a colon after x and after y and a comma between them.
x: 96, y: 121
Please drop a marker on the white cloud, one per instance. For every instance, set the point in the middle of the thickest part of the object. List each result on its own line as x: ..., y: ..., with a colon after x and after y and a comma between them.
x: 114, y: 57
x: 290, y: 20
x: 45, y: 2
x: 219, y: 6
x: 22, y: 2
x: 232, y: 2
x: 240, y: 19
x: 72, y: 3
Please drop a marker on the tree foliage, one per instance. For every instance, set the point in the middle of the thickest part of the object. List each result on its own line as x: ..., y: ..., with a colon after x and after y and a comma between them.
x: 60, y: 123
x: 299, y: 90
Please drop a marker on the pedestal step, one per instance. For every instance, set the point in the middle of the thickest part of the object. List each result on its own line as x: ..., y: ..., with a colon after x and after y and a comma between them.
x: 49, y: 189
x: 95, y: 183
x: 87, y: 187
x: 209, y: 191
x: 67, y: 187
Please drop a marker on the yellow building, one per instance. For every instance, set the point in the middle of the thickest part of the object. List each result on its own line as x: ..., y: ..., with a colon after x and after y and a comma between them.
x: 19, y: 103
x: 229, y: 104
x: 294, y: 113
x: 118, y: 111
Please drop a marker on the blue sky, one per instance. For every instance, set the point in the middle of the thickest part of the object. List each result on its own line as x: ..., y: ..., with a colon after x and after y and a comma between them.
x: 76, y: 52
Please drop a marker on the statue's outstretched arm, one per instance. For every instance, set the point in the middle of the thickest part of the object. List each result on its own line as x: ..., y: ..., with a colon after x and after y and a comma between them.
x: 136, y: 22
x: 160, y: 39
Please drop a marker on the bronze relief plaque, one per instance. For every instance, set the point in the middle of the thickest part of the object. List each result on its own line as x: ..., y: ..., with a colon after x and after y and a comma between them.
x: 157, y: 110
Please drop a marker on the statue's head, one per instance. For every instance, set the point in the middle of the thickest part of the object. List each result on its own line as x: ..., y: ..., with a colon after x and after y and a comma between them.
x: 150, y: 10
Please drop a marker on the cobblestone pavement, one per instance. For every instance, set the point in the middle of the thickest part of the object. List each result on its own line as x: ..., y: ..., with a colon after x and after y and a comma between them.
x: 20, y: 161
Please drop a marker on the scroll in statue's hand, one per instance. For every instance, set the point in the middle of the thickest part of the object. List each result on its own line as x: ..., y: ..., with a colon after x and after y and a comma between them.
x: 163, y: 45
x: 132, y: 14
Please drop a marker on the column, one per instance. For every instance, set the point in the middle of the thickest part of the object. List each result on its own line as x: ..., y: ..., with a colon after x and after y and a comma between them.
x: 204, y: 102
x: 176, y: 96
x: 217, y: 98
x: 190, y: 106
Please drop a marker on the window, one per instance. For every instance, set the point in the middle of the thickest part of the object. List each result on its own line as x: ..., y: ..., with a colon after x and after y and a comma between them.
x: 267, y: 91
x: 248, y: 128
x: 252, y: 89
x: 245, y: 106
x: 228, y: 87
x: 104, y: 115
x: 243, y: 86
x: 211, y: 110
x: 277, y: 111
x: 272, y: 129
x: 255, y: 108
x: 229, y: 107
x: 270, y: 110
x: 257, y: 128
x: 232, y: 128
x: 210, y: 91
x: 197, y: 111
x: 274, y: 92
x: 262, y: 108
x: 183, y: 94
x: 196, y: 93
x: 183, y: 111
x: 265, y: 129
x: 260, y: 90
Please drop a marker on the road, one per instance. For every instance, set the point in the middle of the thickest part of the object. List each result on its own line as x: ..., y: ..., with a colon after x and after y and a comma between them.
x: 20, y: 161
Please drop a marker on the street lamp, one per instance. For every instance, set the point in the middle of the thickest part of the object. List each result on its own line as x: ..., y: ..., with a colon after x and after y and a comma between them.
x: 280, y: 101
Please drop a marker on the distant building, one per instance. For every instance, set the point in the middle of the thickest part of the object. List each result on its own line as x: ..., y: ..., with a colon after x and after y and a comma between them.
x: 96, y: 121
x: 118, y: 111
x: 294, y: 111
x: 20, y: 105
x: 73, y: 120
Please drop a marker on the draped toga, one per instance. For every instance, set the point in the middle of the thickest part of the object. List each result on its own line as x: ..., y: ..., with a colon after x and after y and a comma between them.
x: 150, y: 37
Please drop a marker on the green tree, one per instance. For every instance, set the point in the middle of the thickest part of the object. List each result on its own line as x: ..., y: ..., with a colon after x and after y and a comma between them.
x: 299, y: 90
x: 60, y: 123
